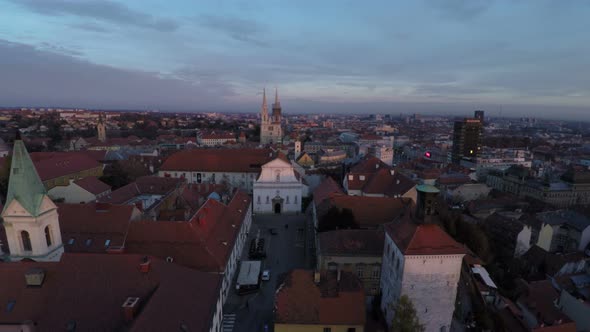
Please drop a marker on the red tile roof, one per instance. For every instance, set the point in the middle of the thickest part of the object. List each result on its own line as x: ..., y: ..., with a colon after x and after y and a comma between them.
x: 327, y: 188
x: 369, y: 212
x: 54, y: 165
x: 218, y: 160
x: 205, y: 242
x: 98, y: 222
x: 299, y: 300
x: 366, y: 242
x: 153, y: 185
x: 93, y: 185
x: 388, y: 184
x: 88, y: 290
x: 422, y: 239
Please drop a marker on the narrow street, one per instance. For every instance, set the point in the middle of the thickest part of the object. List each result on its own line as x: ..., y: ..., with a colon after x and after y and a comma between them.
x: 285, y: 250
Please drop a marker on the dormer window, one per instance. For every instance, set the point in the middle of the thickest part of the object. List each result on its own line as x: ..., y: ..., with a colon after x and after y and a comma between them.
x: 15, y: 170
x: 26, y: 240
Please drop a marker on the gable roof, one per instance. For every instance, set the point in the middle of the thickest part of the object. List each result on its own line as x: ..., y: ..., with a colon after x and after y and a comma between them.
x: 298, y: 300
x: 366, y: 242
x: 218, y: 160
x: 327, y: 188
x: 88, y: 290
x: 368, y: 211
x: 93, y: 185
x: 24, y: 184
x: 422, y: 239
x: 97, y: 222
x: 57, y: 164
x: 205, y: 242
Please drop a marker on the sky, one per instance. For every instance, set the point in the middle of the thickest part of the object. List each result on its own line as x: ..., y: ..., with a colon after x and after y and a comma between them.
x: 518, y: 57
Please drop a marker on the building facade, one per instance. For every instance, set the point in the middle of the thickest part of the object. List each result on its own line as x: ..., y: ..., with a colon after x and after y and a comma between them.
x: 271, y: 131
x: 30, y: 218
x: 278, y: 189
x: 466, y: 140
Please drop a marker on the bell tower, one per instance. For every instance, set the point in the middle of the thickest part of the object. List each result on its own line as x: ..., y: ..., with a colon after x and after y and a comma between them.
x: 30, y: 217
x: 102, y: 129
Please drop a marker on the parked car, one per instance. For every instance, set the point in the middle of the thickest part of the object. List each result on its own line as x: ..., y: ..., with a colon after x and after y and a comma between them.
x: 266, y: 275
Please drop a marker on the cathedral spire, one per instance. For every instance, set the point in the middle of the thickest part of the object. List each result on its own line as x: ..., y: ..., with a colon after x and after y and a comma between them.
x: 277, y: 103
x: 24, y: 185
x: 264, y: 106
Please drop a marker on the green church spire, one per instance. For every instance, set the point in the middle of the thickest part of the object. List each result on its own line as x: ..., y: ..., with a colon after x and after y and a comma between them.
x: 24, y: 184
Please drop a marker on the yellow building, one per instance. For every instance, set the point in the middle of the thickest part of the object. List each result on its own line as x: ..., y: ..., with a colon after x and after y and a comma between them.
x: 320, y: 302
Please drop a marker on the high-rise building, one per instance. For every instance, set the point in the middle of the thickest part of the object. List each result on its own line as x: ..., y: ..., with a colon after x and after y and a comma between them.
x: 271, y: 131
x: 479, y: 115
x: 466, y: 140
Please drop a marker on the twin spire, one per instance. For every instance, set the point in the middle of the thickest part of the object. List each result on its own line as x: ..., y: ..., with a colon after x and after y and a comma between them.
x: 264, y: 103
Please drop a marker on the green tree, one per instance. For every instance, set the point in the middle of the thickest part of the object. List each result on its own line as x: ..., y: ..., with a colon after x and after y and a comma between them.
x: 405, y: 318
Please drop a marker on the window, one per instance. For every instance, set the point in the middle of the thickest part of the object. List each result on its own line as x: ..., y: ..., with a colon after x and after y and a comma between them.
x: 258, y: 199
x: 107, y: 243
x: 327, y: 329
x: 26, y: 239
x: 199, y: 178
x: 296, y: 199
x: 375, y: 273
x: 287, y: 199
x: 48, y: 236
x: 71, y: 241
x: 267, y: 200
x: 351, y: 329
x: 88, y: 242
x: 10, y: 305
x: 359, y: 271
x: 278, y: 176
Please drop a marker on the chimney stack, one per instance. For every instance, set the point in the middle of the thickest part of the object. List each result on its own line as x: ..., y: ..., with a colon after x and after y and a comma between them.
x: 338, y: 274
x: 130, y: 308
x: 316, y: 277
x: 144, y: 266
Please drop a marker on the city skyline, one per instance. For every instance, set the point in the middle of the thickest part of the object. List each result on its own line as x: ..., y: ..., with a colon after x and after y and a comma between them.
x: 421, y: 56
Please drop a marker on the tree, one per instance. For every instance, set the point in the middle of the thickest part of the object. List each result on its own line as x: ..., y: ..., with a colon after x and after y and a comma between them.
x: 5, y: 176
x: 405, y: 318
x: 336, y: 218
x: 115, y: 176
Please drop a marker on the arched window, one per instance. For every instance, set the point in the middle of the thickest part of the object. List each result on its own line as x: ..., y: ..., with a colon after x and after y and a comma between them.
x: 267, y: 200
x: 287, y: 199
x: 278, y: 176
x: 48, y: 235
x: 26, y: 241
x: 296, y: 199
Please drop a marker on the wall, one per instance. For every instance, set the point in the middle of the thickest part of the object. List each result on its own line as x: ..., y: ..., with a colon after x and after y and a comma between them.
x: 65, y: 180
x: 431, y: 283
x: 545, y: 237
x: 316, y: 328
x: 366, y: 268
x: 578, y: 311
x: 523, y: 241
x: 242, y: 180
x: 391, y: 276
x: 71, y: 193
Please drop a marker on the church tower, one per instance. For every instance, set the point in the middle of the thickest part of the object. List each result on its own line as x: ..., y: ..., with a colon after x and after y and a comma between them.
x: 102, y: 129
x: 30, y: 217
x: 271, y: 131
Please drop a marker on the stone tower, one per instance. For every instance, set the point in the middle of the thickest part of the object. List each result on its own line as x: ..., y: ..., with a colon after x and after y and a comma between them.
x: 30, y: 217
x: 102, y: 129
x: 271, y: 131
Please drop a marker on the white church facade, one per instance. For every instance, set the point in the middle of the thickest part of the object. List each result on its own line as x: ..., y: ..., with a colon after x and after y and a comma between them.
x: 278, y: 189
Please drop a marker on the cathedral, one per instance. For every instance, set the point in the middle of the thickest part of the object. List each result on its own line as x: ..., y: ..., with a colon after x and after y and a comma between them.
x: 271, y: 131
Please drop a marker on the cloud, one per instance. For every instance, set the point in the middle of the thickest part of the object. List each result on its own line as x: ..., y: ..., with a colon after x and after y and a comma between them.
x: 460, y: 9
x: 42, y: 78
x: 89, y: 27
x: 58, y: 49
x: 104, y: 10
x: 244, y: 30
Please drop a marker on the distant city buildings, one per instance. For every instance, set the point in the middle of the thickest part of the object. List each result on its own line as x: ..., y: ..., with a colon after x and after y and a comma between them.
x: 466, y: 140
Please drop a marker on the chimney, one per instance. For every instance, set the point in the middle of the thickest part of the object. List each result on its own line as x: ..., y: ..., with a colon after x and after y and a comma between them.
x: 316, y: 277
x: 34, y: 277
x: 338, y: 274
x: 144, y: 266
x: 130, y: 308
